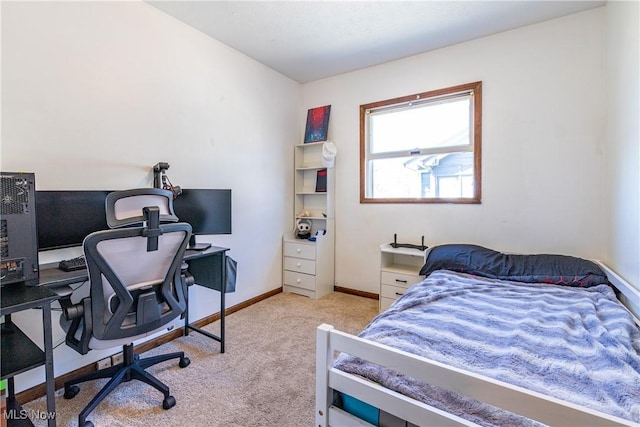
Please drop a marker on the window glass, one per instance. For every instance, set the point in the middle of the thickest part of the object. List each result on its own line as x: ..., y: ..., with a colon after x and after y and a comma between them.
x: 426, y: 125
x: 422, y: 148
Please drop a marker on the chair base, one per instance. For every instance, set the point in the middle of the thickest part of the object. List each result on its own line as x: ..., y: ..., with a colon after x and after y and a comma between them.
x: 132, y: 367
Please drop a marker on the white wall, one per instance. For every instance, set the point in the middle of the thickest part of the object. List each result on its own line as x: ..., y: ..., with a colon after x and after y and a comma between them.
x: 95, y: 93
x: 542, y: 147
x: 622, y: 154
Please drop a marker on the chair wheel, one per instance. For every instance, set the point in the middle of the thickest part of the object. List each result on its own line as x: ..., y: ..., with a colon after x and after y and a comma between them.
x: 169, y: 402
x: 87, y: 424
x: 184, y: 362
x: 70, y: 392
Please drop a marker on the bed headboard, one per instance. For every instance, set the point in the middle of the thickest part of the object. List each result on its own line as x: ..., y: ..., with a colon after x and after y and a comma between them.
x: 630, y: 295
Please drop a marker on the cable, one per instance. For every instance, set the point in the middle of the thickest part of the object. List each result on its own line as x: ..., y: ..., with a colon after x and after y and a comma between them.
x: 167, y: 185
x: 59, y: 344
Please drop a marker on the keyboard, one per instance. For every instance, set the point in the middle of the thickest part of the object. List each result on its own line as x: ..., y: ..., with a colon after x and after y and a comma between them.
x: 73, y: 264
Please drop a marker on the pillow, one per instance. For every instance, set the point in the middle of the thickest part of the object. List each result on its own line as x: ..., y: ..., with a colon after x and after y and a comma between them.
x: 544, y: 268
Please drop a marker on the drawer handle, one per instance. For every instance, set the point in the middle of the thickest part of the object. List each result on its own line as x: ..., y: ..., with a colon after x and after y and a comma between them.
x: 399, y: 294
x: 298, y: 280
x: 298, y: 265
x: 298, y: 250
x: 401, y: 281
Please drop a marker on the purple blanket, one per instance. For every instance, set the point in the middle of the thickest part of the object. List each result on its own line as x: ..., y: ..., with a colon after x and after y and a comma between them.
x: 578, y: 345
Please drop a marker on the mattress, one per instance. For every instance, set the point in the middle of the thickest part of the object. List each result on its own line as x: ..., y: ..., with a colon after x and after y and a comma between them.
x: 576, y: 344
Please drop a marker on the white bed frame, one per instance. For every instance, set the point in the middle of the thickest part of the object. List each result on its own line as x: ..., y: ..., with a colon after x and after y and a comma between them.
x: 518, y: 400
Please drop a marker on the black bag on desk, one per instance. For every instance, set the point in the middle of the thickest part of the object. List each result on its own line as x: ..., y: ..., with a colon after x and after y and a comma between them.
x: 232, y: 271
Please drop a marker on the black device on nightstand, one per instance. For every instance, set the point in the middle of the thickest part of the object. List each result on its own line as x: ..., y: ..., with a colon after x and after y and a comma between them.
x: 395, y: 244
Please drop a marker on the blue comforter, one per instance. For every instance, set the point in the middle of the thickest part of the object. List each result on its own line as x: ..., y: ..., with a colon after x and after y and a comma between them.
x: 579, y: 345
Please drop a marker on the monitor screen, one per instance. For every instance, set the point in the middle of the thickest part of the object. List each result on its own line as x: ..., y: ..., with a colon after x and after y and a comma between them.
x: 65, y: 218
x: 207, y: 210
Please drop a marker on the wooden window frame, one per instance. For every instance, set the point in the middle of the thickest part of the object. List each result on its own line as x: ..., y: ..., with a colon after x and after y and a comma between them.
x: 476, y: 89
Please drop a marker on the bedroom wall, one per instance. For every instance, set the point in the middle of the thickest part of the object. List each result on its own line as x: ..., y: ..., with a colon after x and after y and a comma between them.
x: 622, y: 154
x: 542, y: 152
x: 95, y: 93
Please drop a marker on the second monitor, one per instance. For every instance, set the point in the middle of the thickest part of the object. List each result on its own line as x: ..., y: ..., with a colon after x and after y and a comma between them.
x: 207, y: 210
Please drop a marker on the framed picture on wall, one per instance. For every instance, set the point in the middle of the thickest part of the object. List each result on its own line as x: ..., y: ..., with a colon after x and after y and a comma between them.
x: 317, y: 124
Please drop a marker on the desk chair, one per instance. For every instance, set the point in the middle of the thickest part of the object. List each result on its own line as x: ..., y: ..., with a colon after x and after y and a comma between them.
x: 136, y: 289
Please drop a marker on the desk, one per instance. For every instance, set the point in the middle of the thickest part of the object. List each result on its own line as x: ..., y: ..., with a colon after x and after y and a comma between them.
x: 209, y: 269
x: 19, y: 353
x: 52, y: 277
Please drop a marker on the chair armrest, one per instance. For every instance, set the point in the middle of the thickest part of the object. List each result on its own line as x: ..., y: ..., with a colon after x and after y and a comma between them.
x: 81, y: 323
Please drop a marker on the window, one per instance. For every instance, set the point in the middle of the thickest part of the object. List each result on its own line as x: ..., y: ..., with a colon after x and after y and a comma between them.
x: 422, y: 148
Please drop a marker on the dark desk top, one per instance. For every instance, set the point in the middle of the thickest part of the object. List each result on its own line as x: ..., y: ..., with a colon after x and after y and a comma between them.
x: 18, y: 296
x: 212, y: 250
x: 52, y: 277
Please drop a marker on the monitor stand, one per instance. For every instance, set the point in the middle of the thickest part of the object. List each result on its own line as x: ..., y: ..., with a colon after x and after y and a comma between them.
x: 193, y: 246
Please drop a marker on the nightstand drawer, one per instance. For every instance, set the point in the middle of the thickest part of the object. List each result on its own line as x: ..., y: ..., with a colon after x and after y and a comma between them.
x: 399, y: 279
x: 300, y: 265
x: 299, y: 250
x: 393, y: 292
x: 300, y: 280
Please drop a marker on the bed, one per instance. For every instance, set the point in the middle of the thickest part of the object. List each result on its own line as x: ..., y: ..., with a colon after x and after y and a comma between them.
x: 489, y: 339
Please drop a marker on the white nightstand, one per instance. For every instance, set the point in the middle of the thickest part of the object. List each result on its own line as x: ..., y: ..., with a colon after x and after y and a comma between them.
x: 399, y: 269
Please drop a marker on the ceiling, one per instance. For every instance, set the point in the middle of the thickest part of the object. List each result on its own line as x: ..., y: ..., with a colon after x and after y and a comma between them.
x: 311, y: 40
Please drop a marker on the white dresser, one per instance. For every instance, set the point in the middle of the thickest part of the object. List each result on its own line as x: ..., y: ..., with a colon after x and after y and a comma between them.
x: 307, y: 266
x: 399, y: 269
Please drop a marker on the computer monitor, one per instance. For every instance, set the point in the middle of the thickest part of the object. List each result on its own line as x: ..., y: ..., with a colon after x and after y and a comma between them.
x: 65, y: 218
x: 207, y: 210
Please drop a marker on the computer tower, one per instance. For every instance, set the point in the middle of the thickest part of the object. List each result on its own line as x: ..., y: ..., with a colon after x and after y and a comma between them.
x: 18, y: 233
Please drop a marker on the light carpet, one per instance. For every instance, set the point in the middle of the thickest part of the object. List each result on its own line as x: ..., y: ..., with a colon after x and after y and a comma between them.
x: 266, y: 377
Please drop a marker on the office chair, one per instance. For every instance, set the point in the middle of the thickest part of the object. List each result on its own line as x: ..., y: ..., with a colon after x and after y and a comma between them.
x: 135, y: 289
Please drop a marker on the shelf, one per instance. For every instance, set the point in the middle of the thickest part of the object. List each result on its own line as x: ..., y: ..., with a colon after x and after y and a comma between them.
x: 317, y: 279
x: 19, y: 353
x: 311, y: 193
x: 387, y: 248
x: 312, y: 214
x: 402, y: 269
x: 311, y: 144
x: 310, y: 168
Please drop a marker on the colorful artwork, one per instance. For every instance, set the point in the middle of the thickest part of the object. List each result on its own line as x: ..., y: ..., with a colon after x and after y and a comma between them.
x: 317, y: 124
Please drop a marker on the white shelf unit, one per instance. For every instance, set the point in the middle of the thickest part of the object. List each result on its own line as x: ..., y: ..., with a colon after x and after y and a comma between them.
x: 399, y: 269
x: 308, y: 267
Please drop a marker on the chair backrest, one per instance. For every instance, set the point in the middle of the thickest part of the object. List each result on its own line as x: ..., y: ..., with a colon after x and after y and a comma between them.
x: 135, y: 272
x: 135, y: 290
x: 124, y: 208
